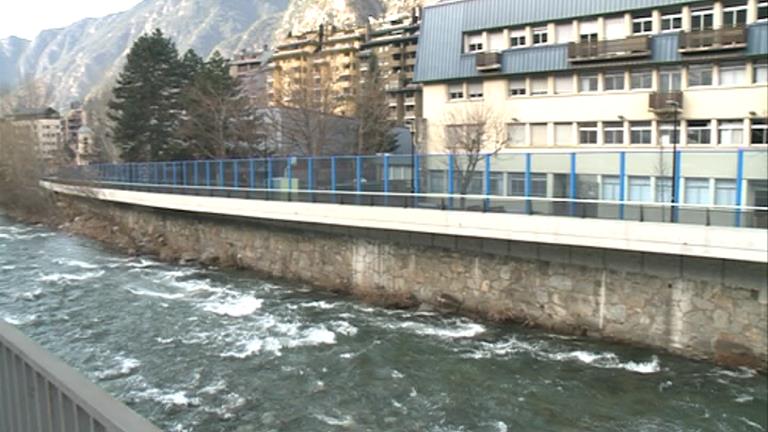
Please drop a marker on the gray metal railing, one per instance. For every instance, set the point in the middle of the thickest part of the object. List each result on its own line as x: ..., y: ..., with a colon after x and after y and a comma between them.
x: 40, y: 393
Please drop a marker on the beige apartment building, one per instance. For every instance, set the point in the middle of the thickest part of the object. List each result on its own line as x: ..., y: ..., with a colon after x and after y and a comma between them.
x: 393, y: 40
x: 46, y: 125
x: 570, y: 81
x: 253, y: 72
x: 318, y: 69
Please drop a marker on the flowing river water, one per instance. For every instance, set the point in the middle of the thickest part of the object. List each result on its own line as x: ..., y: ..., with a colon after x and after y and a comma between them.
x: 197, y: 349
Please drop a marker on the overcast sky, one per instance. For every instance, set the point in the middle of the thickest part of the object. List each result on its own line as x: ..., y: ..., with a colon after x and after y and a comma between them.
x: 26, y: 18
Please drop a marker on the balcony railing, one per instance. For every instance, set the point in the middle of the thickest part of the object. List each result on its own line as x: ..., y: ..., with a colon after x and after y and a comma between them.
x: 713, y: 40
x: 665, y: 102
x: 488, y: 61
x: 634, y: 46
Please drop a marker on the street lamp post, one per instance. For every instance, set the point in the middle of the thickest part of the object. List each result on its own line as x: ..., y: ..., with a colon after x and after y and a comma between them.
x: 673, y: 209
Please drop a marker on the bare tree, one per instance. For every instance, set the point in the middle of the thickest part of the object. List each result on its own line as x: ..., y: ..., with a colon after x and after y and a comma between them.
x: 471, y: 134
x: 375, y: 133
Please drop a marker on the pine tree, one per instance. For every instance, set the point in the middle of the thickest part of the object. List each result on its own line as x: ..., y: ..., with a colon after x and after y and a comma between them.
x: 145, y: 109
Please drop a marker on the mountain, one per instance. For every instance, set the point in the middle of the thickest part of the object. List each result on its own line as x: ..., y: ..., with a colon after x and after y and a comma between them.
x: 11, y: 50
x: 84, y: 58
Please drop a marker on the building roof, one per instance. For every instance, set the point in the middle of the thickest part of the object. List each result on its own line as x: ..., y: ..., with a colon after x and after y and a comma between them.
x: 440, y: 56
x: 36, y: 114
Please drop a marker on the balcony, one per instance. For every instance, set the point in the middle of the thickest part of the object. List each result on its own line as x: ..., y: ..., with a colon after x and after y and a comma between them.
x: 713, y: 40
x: 665, y: 102
x: 631, y: 47
x: 488, y: 61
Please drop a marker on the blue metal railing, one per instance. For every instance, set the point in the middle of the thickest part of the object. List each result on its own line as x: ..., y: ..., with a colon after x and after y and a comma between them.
x: 577, y: 184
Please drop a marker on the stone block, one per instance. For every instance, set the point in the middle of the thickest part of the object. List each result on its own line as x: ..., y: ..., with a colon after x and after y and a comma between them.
x: 421, y: 239
x: 444, y: 242
x: 496, y: 247
x: 664, y: 266
x: 752, y: 276
x: 588, y: 257
x: 470, y: 244
x: 703, y: 269
x: 555, y: 254
x: 527, y: 251
x: 623, y: 261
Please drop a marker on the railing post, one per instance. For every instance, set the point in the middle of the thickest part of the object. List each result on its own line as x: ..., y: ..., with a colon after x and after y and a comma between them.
x: 487, y: 184
x: 196, y: 173
x: 622, y: 182
x: 528, y: 183
x: 333, y: 177
x: 739, y: 187
x: 208, y: 173
x: 417, y: 180
x: 269, y: 176
x: 251, y: 174
x: 235, y: 175
x: 676, y: 187
x: 386, y: 179
x: 358, y: 177
x: 165, y: 173
x: 310, y: 177
x: 450, y: 180
x: 221, y: 174
x: 572, y: 206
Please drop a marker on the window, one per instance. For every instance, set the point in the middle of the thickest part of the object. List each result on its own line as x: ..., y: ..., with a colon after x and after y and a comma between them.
x: 615, y: 28
x: 588, y: 31
x: 671, y: 22
x: 642, y: 24
x: 762, y: 11
x: 539, y: 134
x: 564, y: 33
x: 456, y: 91
x: 735, y: 16
x: 732, y: 74
x: 516, y: 134
x: 563, y: 134
x: 475, y: 90
x: 613, y: 81
x: 725, y: 192
x: 700, y: 75
x: 475, y: 42
x: 663, y: 189
x: 640, y: 132
x: 517, y: 87
x: 588, y: 82
x: 587, y: 133
x: 642, y: 79
x: 669, y: 80
x: 640, y: 189
x: 563, y: 84
x: 760, y: 131
x: 613, y: 133
x: 699, y: 132
x: 539, y: 86
x: 610, y: 189
x: 496, y: 41
x: 702, y: 19
x: 696, y: 191
x: 540, y: 36
x: 761, y: 73
x: 667, y: 132
x: 517, y: 185
x: 731, y: 132
x: 517, y: 38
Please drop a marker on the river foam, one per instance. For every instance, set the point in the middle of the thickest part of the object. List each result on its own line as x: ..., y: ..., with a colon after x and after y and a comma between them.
x: 235, y: 308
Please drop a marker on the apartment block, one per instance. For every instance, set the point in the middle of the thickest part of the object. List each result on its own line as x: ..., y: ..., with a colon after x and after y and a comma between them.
x: 253, y: 72
x: 46, y: 126
x: 393, y: 40
x: 570, y: 81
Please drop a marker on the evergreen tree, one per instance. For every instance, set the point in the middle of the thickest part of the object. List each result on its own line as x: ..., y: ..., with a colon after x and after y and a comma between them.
x: 145, y: 109
x: 218, y: 121
x: 375, y: 130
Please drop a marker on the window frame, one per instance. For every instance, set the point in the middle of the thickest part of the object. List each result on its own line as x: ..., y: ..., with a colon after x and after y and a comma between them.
x: 700, y: 68
x: 614, y: 130
x: 730, y: 126
x: 519, y: 91
x: 643, y: 182
x: 739, y: 68
x: 644, y: 73
x: 704, y: 129
x: 669, y: 72
x: 758, y: 126
x: 645, y: 22
x: 760, y: 66
x: 510, y: 140
x: 475, y: 96
x: 641, y: 127
x: 474, y: 47
x: 540, y: 33
x: 589, y: 128
x: 702, y: 14
x: 611, y: 76
x: 517, y: 39
x: 689, y: 181
x: 589, y: 76
x: 726, y: 186
x: 456, y: 95
x: 738, y: 11
x: 612, y: 182
x: 670, y: 18
x: 762, y: 7
x: 534, y: 92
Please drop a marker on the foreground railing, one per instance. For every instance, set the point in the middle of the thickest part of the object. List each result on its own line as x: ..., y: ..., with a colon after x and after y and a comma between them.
x: 39, y: 393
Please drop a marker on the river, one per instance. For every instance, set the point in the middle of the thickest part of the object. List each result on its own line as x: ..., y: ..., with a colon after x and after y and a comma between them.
x: 201, y: 349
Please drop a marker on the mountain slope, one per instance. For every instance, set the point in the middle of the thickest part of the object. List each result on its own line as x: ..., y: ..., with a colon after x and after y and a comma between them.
x: 11, y: 50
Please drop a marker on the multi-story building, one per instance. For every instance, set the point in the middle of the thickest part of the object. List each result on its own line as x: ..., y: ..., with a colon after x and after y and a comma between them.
x: 253, y: 72
x: 318, y: 68
x: 73, y: 120
x: 578, y: 76
x: 393, y: 41
x: 46, y: 126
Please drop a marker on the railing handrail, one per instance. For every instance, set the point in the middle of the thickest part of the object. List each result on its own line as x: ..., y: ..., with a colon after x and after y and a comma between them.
x: 665, y: 205
x: 99, y: 405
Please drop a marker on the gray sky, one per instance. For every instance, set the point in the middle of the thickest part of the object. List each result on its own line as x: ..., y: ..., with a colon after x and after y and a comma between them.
x: 26, y: 18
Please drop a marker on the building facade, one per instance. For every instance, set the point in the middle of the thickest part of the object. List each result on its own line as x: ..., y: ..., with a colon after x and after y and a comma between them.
x: 253, y: 72
x: 577, y: 77
x: 46, y: 126
x: 393, y: 40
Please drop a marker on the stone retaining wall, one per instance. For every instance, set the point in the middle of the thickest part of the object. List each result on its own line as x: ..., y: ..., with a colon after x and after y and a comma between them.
x: 709, y: 309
